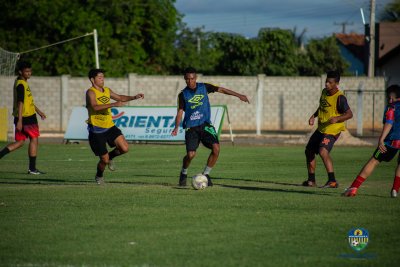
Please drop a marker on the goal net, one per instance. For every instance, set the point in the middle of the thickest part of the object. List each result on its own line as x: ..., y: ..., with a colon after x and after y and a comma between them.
x: 8, y: 60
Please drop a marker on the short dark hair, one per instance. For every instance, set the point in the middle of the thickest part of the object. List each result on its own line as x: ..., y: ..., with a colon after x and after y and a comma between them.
x: 93, y: 72
x: 333, y: 74
x: 394, y: 88
x: 189, y: 70
x: 21, y: 65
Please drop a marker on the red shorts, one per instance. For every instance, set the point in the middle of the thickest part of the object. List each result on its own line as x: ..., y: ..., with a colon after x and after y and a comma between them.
x: 28, y: 131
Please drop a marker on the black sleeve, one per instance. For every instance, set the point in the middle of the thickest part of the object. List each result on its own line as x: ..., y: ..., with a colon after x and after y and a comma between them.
x: 211, y: 88
x: 342, y: 105
x: 20, y: 93
x: 181, y: 102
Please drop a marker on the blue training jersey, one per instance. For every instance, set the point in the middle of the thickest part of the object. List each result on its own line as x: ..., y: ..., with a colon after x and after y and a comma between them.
x: 197, y: 106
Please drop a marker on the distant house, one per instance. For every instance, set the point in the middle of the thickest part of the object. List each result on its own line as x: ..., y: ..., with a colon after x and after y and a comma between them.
x: 355, y: 49
x: 388, y: 51
x: 352, y: 48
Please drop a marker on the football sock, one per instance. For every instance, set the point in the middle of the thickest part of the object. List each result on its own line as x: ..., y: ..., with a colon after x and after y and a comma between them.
x: 311, y: 177
x: 32, y: 163
x: 396, y: 183
x: 114, y: 153
x: 358, y: 181
x: 331, y: 177
x: 4, y: 152
x: 207, y: 170
x: 184, y: 171
x: 99, y: 172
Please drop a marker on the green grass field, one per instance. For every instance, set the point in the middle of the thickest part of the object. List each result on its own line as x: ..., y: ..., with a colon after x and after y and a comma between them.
x: 255, y: 215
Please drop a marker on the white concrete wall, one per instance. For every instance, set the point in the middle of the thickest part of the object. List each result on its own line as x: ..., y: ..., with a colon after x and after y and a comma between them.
x: 288, y: 102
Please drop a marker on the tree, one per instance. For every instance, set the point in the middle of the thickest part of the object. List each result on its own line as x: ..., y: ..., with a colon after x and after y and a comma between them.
x: 196, y: 48
x: 321, y: 55
x: 391, y: 12
x: 278, y: 52
x: 134, y: 36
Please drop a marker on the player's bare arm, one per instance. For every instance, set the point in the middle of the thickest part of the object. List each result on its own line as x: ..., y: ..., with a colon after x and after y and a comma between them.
x: 125, y: 98
x: 91, y: 101
x: 19, y: 123
x: 385, y: 131
x: 230, y: 92
x: 311, y: 120
x: 41, y: 114
x: 178, y: 120
x: 346, y: 116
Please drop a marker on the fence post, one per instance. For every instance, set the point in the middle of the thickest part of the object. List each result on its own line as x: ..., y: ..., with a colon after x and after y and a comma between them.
x: 64, y: 102
x: 360, y: 93
x: 259, y: 103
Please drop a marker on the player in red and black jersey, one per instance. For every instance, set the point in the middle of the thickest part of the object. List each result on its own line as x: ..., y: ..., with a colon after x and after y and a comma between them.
x: 388, y: 145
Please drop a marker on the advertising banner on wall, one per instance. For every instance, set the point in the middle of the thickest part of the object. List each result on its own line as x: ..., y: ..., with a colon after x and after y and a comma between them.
x: 139, y: 123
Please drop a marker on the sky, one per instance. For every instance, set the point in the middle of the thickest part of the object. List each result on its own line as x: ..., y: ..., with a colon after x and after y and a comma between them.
x: 246, y: 17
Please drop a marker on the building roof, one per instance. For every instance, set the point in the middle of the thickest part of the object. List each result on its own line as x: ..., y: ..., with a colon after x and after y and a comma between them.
x: 354, y: 42
x: 389, y: 37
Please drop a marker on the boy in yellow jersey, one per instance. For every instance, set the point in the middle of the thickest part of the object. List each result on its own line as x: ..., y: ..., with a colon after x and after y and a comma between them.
x: 332, y: 112
x: 102, y: 130
x: 24, y: 112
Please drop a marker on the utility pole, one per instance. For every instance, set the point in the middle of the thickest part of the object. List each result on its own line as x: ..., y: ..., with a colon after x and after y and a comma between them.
x: 344, y: 25
x: 371, y: 61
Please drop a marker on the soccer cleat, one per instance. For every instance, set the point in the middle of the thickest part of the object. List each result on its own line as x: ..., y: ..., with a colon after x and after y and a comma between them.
x: 182, y: 179
x: 99, y: 180
x: 35, y: 172
x: 330, y: 184
x: 309, y: 183
x: 350, y: 192
x: 393, y: 193
x: 210, y: 183
x: 111, y: 165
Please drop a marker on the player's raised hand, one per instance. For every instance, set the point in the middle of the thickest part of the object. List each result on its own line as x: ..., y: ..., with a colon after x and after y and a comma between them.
x: 139, y: 96
x: 244, y: 98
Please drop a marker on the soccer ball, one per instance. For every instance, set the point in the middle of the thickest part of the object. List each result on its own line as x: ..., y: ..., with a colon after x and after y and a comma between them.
x: 199, y: 181
x: 354, y: 243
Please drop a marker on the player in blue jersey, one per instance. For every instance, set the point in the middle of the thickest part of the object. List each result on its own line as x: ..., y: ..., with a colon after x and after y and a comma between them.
x: 193, y: 100
x: 389, y: 144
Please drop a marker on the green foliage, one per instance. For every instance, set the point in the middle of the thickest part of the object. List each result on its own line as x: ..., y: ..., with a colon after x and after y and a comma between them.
x: 391, y: 12
x: 196, y: 48
x: 134, y: 36
x: 278, y: 52
x: 321, y: 55
x: 148, y: 37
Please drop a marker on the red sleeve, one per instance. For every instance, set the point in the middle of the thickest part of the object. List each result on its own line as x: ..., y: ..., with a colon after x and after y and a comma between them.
x: 389, y: 116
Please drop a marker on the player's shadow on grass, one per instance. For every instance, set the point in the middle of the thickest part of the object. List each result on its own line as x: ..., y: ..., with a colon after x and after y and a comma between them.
x: 254, y: 188
x: 259, y: 181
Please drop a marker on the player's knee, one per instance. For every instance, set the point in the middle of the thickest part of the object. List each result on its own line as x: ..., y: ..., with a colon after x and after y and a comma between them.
x: 323, y: 152
x: 215, y: 150
x: 191, y: 154
x: 310, y: 155
x: 124, y: 149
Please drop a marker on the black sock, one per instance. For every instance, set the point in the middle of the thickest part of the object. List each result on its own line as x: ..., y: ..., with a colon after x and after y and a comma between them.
x: 311, y: 177
x: 114, y: 153
x: 331, y: 177
x: 4, y: 152
x: 99, y: 172
x: 32, y: 163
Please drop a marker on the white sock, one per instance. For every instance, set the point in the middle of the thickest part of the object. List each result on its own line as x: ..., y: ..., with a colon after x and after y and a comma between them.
x: 207, y: 170
x: 184, y: 171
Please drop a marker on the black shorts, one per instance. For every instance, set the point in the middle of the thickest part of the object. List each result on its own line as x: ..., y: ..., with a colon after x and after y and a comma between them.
x: 98, y: 141
x: 387, y: 156
x: 319, y: 140
x: 205, y: 133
